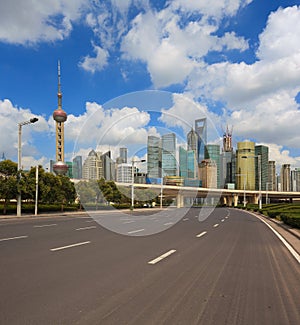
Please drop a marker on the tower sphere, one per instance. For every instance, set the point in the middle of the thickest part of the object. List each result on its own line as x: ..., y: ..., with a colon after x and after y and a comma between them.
x: 59, y: 115
x: 60, y: 168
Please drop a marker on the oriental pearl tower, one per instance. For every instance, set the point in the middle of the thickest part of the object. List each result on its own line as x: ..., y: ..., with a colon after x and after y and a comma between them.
x: 60, y: 117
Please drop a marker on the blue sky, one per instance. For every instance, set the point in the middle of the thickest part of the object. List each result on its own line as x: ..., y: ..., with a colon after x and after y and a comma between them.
x: 136, y: 67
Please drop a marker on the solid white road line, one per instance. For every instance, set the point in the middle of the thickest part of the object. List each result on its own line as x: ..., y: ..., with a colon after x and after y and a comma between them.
x: 135, y: 231
x: 42, y: 226
x: 216, y: 225
x: 131, y: 221
x: 201, y: 234
x: 286, y: 244
x: 86, y: 228
x: 11, y: 238
x: 69, y: 246
x: 161, y: 257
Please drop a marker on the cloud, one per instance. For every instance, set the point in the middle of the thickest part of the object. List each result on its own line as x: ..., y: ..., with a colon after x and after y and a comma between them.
x: 10, y: 116
x: 281, y: 37
x: 107, y: 127
x: 171, y: 47
x: 29, y: 21
x: 214, y: 9
x: 96, y: 63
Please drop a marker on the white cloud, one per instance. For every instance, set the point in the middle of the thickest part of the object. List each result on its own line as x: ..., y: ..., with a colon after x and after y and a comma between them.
x: 10, y: 116
x: 30, y: 21
x: 96, y: 63
x: 215, y: 9
x: 107, y: 127
x: 170, y: 50
x: 281, y: 37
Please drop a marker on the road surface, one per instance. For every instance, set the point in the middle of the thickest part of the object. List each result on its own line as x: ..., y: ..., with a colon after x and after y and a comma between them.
x: 227, y: 269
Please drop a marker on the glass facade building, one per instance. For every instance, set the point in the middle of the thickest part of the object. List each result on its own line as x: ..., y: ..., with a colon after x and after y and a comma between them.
x: 154, y: 157
x: 201, y: 130
x: 263, y: 152
x: 212, y: 152
x: 168, y: 154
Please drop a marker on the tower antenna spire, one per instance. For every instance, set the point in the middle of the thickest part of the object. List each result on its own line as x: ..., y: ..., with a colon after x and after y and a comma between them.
x: 59, y: 94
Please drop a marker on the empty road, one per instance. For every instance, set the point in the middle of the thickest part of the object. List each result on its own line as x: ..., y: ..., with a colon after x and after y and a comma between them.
x: 227, y: 269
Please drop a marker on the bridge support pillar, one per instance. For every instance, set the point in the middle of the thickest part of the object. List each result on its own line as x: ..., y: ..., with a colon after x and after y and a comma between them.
x: 229, y: 201
x: 255, y: 198
x: 224, y: 200
x: 235, y: 200
x: 180, y: 201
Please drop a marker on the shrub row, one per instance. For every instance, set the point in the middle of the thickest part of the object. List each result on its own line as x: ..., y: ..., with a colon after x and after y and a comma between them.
x: 293, y: 221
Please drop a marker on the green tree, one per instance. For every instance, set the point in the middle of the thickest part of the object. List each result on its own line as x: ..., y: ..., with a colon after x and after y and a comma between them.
x: 8, y: 182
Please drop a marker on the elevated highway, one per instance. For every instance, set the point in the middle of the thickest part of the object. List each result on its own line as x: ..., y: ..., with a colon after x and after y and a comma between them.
x: 227, y: 196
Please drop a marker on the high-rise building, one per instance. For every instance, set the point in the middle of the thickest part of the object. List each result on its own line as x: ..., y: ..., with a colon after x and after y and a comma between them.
x: 183, y: 164
x: 123, y: 154
x: 208, y: 173
x: 154, y: 157
x: 70, y: 169
x: 285, y: 178
x: 212, y: 152
x: 188, y: 166
x: 60, y: 117
x: 227, y: 160
x: 168, y: 154
x: 245, y: 165
x: 124, y: 173
x: 108, y: 166
x: 201, y: 130
x: 192, y: 142
x: 263, y: 152
x: 271, y: 176
x: 295, y: 180
x: 77, y: 167
x: 92, y: 166
x: 227, y: 140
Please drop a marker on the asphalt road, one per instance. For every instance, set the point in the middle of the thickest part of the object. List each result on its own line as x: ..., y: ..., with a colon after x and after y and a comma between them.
x: 227, y: 269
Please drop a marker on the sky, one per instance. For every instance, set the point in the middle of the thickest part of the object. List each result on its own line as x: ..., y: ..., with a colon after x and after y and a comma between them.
x: 133, y: 68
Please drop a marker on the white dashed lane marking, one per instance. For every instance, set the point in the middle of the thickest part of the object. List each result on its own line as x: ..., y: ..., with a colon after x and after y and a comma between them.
x: 161, y: 257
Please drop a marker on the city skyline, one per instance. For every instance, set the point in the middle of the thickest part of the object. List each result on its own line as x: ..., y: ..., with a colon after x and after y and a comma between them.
x: 207, y: 57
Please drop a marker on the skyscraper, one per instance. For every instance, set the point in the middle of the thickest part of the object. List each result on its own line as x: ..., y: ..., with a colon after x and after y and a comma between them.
x: 285, y: 177
x: 245, y: 165
x: 168, y: 156
x: 60, y: 117
x: 201, y: 130
x: 263, y: 152
x: 271, y: 176
x: 212, y: 152
x: 77, y: 167
x: 123, y: 155
x: 92, y: 166
x: 227, y: 160
x: 154, y: 157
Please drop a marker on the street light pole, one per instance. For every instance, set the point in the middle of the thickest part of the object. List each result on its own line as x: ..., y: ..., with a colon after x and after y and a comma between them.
x: 19, y: 198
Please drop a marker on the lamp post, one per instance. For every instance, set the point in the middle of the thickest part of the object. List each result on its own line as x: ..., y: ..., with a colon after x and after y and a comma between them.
x: 32, y: 120
x: 244, y: 187
x: 132, y: 180
x: 259, y: 177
